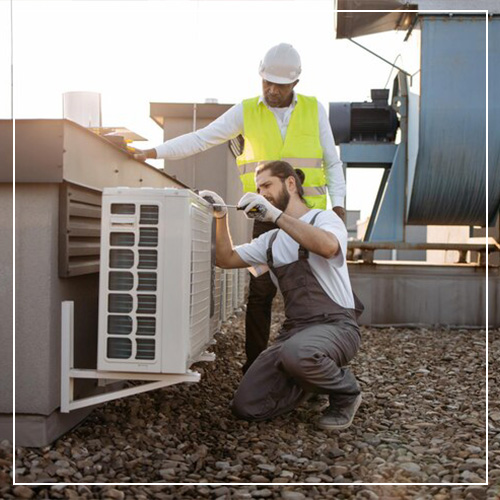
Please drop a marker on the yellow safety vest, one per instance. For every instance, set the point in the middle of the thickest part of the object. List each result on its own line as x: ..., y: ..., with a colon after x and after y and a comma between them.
x: 301, y: 148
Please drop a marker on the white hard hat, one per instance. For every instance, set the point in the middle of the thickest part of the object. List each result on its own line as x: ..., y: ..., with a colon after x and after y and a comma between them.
x: 281, y: 64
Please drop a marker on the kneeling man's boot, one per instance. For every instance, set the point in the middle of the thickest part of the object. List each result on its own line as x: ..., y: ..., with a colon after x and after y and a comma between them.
x: 337, y: 418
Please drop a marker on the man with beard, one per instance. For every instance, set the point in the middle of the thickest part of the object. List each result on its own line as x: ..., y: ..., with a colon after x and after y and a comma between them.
x: 280, y: 124
x: 306, y: 256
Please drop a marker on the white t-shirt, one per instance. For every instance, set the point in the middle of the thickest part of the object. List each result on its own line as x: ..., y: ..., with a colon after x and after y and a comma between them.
x: 331, y: 273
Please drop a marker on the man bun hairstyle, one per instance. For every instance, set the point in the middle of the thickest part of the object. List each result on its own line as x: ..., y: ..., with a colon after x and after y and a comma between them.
x: 283, y: 170
x: 300, y: 175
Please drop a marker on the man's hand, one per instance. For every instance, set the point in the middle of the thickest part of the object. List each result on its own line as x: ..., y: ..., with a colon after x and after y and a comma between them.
x: 143, y: 155
x: 340, y: 211
x: 215, y: 199
x: 264, y: 210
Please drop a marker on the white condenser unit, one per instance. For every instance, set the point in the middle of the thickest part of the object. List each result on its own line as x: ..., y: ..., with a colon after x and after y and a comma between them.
x: 242, y: 285
x: 227, y: 294
x: 216, y: 319
x: 157, y: 280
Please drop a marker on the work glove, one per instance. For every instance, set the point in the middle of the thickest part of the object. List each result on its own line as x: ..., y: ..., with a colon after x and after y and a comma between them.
x: 257, y: 207
x: 220, y: 210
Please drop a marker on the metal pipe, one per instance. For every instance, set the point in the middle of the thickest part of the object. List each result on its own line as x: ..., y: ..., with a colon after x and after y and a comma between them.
x: 380, y: 57
x: 363, y: 245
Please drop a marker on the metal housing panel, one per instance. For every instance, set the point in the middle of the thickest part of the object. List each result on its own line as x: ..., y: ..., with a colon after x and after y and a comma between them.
x: 389, y: 220
x: 493, y: 119
x: 450, y: 178
x: 423, y: 294
x: 352, y: 24
x: 367, y: 154
x: 340, y: 121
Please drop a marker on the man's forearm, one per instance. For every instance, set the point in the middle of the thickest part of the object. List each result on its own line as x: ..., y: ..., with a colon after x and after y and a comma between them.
x: 336, y: 183
x: 150, y: 153
x: 313, y: 238
x: 224, y: 128
x: 225, y: 256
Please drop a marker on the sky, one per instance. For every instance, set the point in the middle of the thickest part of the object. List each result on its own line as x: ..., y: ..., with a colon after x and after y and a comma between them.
x: 137, y: 52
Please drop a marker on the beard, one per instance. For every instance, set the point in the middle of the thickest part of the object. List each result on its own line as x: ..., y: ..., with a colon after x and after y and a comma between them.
x: 282, y: 200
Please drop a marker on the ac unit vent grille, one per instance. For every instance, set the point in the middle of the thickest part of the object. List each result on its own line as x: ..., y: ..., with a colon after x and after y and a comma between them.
x: 123, y: 281
x: 146, y: 304
x: 123, y: 208
x: 201, y: 246
x: 122, y: 239
x: 119, y: 325
x: 119, y: 348
x: 147, y: 282
x: 146, y: 325
x: 121, y: 259
x: 145, y: 349
x: 148, y: 237
x: 148, y: 259
x: 229, y: 291
x: 149, y: 214
x: 120, y: 303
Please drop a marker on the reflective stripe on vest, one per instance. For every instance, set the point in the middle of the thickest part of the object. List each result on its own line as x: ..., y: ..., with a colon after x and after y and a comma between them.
x: 301, y: 147
x: 301, y: 163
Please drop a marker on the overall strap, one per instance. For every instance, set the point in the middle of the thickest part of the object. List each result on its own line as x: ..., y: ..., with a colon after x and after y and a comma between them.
x: 304, y: 252
x: 270, y: 249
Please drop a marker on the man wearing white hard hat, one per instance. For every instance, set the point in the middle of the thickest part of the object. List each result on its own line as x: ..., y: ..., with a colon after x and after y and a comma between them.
x: 277, y: 125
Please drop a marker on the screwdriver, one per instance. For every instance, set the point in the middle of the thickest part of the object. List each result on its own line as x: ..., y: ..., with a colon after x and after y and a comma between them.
x: 253, y: 210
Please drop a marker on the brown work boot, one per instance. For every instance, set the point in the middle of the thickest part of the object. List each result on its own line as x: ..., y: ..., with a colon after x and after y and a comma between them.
x: 336, y: 418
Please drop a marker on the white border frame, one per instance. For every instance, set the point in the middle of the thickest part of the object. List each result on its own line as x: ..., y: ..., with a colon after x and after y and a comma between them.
x: 441, y: 11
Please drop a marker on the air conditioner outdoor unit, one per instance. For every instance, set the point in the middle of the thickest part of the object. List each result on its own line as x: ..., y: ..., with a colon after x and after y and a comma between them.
x: 227, y: 295
x: 216, y: 319
x: 157, y: 281
x: 242, y: 285
x: 236, y: 287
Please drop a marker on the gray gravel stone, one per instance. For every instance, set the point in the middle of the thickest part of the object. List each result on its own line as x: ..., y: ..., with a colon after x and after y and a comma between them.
x: 412, y: 426
x: 267, y: 467
x: 292, y: 495
x: 23, y: 492
x: 264, y: 493
x: 114, y: 494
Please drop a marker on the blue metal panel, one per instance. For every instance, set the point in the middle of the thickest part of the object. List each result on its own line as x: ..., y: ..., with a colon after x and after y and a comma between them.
x: 357, y: 152
x: 493, y: 118
x: 389, y: 220
x: 450, y: 177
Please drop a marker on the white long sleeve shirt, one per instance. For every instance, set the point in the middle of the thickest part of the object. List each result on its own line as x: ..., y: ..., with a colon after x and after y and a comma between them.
x: 231, y: 124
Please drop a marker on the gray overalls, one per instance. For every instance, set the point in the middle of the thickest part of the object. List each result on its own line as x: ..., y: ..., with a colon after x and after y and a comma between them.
x: 316, y: 341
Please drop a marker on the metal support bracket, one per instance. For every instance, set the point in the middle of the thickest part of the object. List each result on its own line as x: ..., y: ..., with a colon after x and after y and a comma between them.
x: 69, y: 373
x: 206, y: 356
